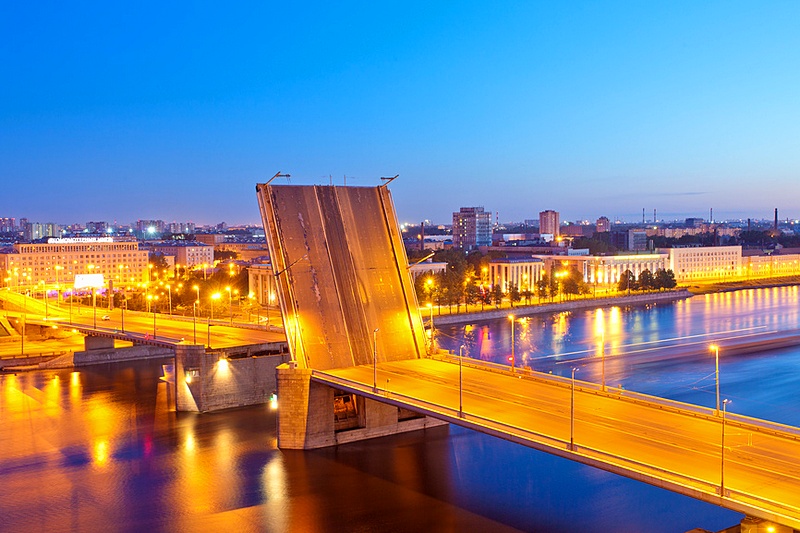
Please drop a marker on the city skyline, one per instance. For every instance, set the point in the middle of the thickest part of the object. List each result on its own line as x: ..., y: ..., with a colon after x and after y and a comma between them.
x: 588, y: 109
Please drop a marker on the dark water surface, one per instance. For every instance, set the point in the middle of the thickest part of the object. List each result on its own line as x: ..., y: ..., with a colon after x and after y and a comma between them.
x: 101, y: 450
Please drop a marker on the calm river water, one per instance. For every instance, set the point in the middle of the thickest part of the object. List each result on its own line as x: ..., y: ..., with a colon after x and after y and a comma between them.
x: 100, y: 449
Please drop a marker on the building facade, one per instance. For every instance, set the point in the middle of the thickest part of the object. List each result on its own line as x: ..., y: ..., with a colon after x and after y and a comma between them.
x: 472, y: 227
x: 706, y: 262
x: 261, y: 284
x: 58, y: 261
x: 189, y: 254
x: 521, y: 272
x: 549, y: 222
x: 603, y: 225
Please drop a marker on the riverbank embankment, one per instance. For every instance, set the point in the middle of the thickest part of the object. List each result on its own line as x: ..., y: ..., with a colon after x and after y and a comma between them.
x: 559, y: 307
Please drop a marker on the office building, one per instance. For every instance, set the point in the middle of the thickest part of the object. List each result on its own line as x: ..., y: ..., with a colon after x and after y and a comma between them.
x: 472, y: 227
x: 188, y: 254
x: 549, y: 223
x: 58, y: 261
x: 707, y: 262
x: 603, y: 225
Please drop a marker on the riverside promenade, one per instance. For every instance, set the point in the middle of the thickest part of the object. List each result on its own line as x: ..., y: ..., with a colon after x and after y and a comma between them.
x: 491, y: 313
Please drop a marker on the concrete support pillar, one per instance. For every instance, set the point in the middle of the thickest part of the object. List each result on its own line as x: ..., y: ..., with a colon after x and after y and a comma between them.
x: 305, y: 410
x: 98, y: 343
x: 750, y: 524
x: 306, y: 416
x: 190, y: 372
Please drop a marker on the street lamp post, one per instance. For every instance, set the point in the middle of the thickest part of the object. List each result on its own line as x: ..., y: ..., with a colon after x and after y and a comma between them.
x: 230, y: 303
x: 715, y: 349
x: 513, y: 354
x: 375, y: 360
x: 194, y: 321
x: 94, y: 306
x: 461, y: 381
x: 433, y: 330
x: 722, y: 450
x: 208, y: 334
x: 603, y: 359
x: 572, y: 413
x: 169, y: 293
x: 122, y: 310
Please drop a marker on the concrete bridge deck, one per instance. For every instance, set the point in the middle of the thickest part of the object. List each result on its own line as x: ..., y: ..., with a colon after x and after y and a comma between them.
x: 664, y: 443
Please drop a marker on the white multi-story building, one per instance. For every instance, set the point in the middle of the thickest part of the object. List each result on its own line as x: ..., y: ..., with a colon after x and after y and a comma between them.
x: 707, y: 262
x: 187, y: 254
x: 58, y: 261
x: 520, y: 271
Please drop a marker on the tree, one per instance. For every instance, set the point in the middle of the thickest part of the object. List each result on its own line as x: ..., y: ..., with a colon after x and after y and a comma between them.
x: 664, y: 279
x: 627, y: 281
x: 646, y: 280
x: 527, y: 294
x: 552, y: 287
x: 541, y: 287
x: 497, y: 295
x: 573, y: 283
x: 514, y: 295
x: 472, y: 293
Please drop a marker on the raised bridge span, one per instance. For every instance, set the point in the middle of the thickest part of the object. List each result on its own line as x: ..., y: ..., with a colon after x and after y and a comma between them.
x: 340, y: 270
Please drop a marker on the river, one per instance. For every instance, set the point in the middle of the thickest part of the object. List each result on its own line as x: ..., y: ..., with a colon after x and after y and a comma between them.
x: 100, y: 448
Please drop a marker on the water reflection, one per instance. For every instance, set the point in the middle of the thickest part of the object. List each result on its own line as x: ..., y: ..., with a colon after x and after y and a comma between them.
x: 657, y: 349
x: 101, y: 449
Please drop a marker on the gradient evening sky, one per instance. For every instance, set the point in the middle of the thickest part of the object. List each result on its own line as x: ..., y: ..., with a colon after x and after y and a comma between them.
x: 120, y: 111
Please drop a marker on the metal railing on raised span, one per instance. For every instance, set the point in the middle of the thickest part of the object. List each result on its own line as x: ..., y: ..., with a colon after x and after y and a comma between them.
x: 593, y: 456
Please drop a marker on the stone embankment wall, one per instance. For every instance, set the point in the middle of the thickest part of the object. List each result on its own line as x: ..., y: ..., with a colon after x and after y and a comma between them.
x: 558, y: 307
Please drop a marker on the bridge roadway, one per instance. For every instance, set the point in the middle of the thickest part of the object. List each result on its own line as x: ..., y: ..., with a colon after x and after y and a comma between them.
x: 665, y: 443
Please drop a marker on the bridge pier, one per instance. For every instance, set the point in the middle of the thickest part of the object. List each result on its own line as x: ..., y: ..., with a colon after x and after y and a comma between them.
x: 308, y: 419
x: 750, y: 524
x: 221, y: 379
x: 91, y: 342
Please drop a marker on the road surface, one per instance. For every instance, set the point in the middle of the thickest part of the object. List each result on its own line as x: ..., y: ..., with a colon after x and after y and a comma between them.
x: 672, y: 445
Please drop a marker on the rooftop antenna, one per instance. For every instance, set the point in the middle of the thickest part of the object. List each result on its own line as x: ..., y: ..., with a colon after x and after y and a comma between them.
x: 387, y: 181
x: 278, y: 175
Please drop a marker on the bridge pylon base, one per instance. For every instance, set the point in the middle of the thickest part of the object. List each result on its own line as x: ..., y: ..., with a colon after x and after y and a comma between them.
x: 751, y: 524
x: 307, y: 417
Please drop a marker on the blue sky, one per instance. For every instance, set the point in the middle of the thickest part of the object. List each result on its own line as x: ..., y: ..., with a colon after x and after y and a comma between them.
x: 154, y: 110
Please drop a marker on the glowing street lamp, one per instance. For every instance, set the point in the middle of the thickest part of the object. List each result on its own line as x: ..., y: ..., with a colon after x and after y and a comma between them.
x: 230, y: 302
x: 714, y: 348
x: 215, y: 296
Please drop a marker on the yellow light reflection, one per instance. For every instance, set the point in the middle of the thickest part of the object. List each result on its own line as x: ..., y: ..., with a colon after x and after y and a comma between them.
x: 75, y: 386
x: 100, y: 452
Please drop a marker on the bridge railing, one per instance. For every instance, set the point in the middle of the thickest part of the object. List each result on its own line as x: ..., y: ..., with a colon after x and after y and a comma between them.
x: 593, y: 456
x: 742, y: 421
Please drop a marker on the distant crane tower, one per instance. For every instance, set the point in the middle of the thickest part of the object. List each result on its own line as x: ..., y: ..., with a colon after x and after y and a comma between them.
x: 643, y: 215
x: 654, y: 216
x: 711, y: 214
x: 776, y: 219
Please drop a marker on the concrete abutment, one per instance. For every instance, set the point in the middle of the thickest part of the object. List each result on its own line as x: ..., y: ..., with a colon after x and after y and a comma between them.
x: 307, y: 419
